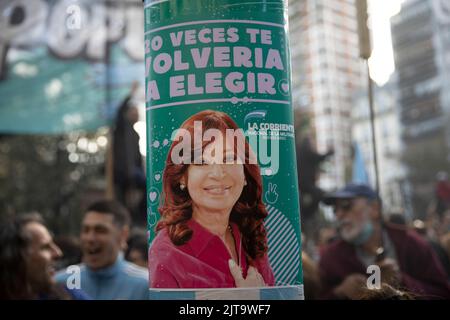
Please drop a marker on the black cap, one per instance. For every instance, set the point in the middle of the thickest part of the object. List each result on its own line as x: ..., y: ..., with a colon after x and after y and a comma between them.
x: 350, y: 191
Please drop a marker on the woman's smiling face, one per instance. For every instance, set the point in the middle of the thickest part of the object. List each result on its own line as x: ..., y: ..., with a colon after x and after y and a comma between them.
x: 216, y: 185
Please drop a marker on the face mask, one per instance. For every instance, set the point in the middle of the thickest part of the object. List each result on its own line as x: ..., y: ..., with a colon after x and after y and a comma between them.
x: 364, y: 235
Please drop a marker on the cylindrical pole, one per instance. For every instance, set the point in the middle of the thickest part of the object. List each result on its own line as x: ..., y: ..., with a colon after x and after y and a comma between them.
x: 365, y: 51
x: 372, y: 125
x: 222, y: 65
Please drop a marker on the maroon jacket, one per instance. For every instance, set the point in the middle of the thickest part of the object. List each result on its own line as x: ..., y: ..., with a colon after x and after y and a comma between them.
x: 421, y: 271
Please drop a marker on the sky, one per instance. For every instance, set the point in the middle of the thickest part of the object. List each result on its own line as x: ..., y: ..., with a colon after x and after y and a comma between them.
x: 381, y: 62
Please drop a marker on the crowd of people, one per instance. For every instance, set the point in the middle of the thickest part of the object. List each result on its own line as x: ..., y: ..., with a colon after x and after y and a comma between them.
x: 111, y: 260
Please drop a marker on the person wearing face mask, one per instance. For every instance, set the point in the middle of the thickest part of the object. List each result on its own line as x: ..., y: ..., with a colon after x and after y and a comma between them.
x: 211, y: 233
x: 104, y: 274
x: 405, y: 260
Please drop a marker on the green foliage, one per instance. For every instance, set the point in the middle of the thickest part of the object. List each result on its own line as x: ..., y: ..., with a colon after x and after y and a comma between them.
x: 54, y: 175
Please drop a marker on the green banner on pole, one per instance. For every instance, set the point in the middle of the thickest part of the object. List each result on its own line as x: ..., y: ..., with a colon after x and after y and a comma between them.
x: 218, y: 71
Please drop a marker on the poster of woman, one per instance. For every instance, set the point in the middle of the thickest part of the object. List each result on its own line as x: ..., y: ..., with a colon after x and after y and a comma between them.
x: 223, y: 209
x: 212, y: 215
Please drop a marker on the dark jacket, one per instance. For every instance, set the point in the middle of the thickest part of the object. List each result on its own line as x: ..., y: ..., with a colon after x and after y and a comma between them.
x: 421, y: 271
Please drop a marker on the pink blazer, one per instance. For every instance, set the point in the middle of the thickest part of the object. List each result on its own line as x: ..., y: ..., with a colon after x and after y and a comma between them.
x: 202, y: 262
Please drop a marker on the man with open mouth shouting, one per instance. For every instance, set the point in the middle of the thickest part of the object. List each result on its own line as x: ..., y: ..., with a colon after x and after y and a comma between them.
x: 105, y: 275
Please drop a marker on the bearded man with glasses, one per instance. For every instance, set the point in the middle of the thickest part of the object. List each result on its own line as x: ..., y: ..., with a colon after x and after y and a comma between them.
x: 404, y: 259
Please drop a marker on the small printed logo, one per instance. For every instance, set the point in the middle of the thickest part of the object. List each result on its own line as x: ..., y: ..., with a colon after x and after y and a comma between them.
x: 153, y: 196
x: 73, y: 21
x: 284, y: 87
x: 74, y: 279
x: 374, y: 280
x: 272, y: 194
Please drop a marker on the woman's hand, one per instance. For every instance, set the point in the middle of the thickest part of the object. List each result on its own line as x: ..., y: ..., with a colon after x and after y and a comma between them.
x: 254, y: 278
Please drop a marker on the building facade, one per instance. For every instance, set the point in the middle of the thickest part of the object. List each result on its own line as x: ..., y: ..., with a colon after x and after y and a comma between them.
x: 391, y: 172
x: 421, y: 43
x: 326, y: 73
x: 422, y: 61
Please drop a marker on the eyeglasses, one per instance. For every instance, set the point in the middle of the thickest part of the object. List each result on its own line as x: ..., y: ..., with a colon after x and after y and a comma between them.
x: 344, y: 205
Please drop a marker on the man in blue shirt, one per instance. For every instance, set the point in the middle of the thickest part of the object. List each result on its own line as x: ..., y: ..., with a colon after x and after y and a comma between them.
x: 104, y: 274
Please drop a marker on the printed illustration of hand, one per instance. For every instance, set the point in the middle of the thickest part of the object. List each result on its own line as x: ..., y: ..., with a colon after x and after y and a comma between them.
x: 271, y: 195
x: 254, y: 278
x: 152, y: 218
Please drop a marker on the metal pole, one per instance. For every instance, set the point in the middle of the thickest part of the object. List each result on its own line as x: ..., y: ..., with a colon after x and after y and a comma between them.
x: 372, y: 124
x: 109, y: 192
x: 365, y: 52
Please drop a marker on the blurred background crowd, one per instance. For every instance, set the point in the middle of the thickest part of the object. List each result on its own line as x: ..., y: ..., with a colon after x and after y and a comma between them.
x: 72, y: 97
